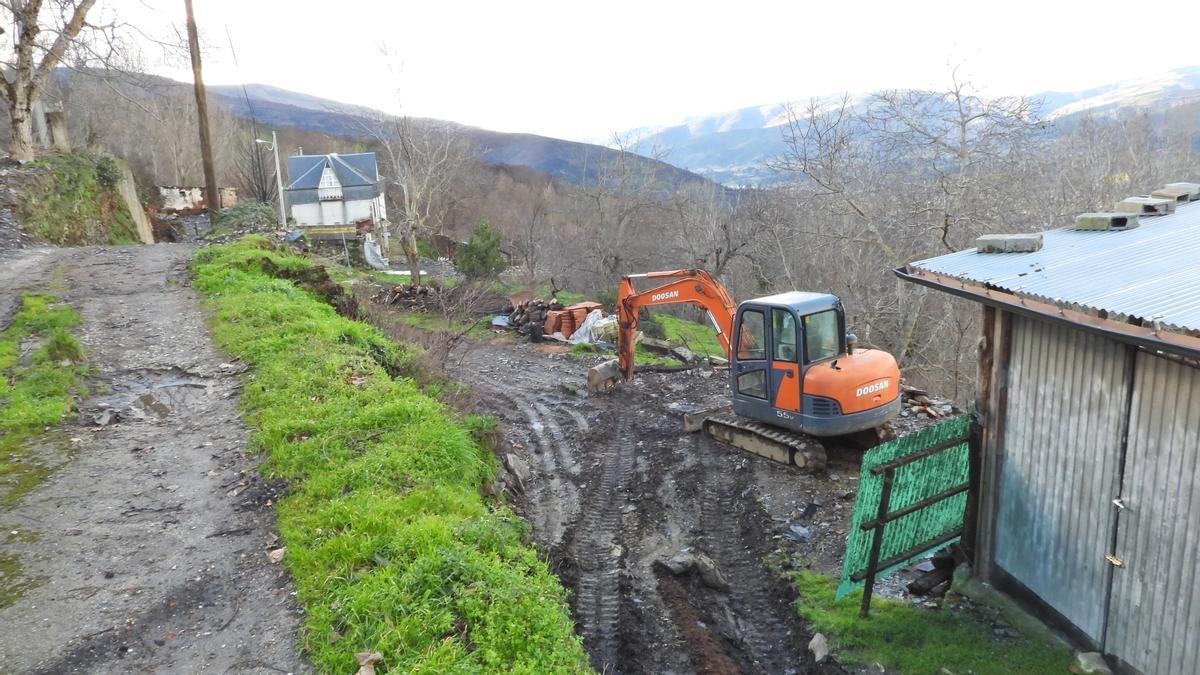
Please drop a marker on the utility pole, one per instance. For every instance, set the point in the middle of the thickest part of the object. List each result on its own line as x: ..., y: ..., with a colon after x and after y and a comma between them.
x: 278, y: 180
x: 212, y: 193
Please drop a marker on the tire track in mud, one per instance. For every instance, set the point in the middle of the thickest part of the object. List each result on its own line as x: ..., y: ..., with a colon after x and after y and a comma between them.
x: 763, y: 642
x: 553, y: 500
x: 597, y: 548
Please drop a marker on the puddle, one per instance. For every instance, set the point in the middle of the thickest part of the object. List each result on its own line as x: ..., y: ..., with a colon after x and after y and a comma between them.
x: 147, y: 395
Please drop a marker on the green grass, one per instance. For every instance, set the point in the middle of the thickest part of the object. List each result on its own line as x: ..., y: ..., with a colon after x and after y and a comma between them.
x: 647, y: 357
x: 37, y: 388
x: 389, y: 541
x: 76, y: 203
x: 405, y: 279
x: 701, y: 338
x: 907, y: 639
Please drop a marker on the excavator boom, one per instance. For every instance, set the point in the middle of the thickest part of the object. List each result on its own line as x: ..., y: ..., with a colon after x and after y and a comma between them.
x: 696, y: 287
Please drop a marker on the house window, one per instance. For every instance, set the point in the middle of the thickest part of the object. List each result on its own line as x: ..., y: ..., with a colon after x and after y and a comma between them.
x: 329, y: 188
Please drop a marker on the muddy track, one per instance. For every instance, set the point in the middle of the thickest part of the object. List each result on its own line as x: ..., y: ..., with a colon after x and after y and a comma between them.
x: 616, y: 488
x: 759, y: 618
x: 598, y: 549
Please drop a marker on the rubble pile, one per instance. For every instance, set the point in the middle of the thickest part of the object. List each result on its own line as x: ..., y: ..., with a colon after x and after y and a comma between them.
x: 917, y: 402
x: 418, y: 297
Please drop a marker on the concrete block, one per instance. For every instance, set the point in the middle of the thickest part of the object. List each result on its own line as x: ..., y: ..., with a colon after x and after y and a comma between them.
x: 1106, y: 220
x: 1146, y: 205
x: 1009, y: 243
x: 1192, y: 188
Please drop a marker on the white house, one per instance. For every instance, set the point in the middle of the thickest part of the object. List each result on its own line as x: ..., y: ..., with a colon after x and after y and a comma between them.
x: 332, y: 195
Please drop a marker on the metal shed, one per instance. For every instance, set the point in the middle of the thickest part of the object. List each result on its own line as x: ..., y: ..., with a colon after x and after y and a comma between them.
x: 1087, y: 481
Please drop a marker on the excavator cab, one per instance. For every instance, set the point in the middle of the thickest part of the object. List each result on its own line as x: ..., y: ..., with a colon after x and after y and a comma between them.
x: 791, y: 366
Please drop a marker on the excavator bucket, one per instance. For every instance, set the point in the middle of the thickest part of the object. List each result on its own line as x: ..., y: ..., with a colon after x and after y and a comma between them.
x: 604, y: 376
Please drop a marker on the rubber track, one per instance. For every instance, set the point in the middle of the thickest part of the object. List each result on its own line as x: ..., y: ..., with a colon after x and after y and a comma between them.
x: 798, y: 442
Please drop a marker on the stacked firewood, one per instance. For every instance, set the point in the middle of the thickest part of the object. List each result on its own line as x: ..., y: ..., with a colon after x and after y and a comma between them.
x: 405, y: 296
x: 917, y: 401
x: 531, y: 314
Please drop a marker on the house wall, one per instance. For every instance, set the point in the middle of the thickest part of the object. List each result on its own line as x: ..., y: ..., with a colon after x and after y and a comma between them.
x: 1074, y: 420
x: 332, y: 212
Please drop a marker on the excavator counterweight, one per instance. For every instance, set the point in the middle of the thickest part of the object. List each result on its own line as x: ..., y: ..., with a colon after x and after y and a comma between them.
x: 794, y: 372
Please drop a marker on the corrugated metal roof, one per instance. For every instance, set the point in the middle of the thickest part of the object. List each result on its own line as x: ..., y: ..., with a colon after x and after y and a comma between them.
x: 1151, y: 273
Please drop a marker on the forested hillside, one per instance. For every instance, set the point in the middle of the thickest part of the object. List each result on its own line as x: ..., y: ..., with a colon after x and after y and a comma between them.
x: 863, y: 185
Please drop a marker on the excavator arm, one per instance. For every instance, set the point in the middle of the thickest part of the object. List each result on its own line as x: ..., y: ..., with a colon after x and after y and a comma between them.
x: 695, y: 287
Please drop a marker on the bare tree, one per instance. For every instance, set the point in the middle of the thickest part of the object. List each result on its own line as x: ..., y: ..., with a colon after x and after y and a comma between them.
x: 530, y: 236
x: 422, y: 159
x: 254, y: 168
x: 901, y: 175
x: 43, y: 34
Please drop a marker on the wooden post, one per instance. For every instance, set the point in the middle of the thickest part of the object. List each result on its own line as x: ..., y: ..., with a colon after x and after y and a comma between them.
x: 885, y: 496
x: 212, y: 194
x: 979, y: 422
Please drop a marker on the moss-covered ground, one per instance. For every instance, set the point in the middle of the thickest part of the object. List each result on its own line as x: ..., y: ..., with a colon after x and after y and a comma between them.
x: 907, y: 639
x: 391, y: 545
x: 41, y: 371
x: 73, y: 201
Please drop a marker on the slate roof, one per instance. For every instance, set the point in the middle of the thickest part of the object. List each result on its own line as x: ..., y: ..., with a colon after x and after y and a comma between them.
x: 304, y: 171
x: 358, y: 173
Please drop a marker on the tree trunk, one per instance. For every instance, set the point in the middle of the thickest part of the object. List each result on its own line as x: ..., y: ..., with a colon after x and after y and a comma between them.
x: 413, y: 255
x: 21, y: 146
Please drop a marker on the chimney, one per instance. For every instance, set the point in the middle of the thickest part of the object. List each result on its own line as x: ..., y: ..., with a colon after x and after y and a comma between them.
x: 1146, y: 205
x: 1105, y: 221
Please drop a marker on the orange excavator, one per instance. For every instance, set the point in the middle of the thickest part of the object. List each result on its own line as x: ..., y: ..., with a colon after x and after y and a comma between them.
x: 794, y: 372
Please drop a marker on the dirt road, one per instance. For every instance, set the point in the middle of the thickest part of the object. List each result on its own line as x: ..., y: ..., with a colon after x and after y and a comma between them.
x: 145, y: 550
x: 620, y: 496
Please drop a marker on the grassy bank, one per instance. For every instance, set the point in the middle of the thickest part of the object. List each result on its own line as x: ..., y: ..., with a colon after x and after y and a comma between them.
x: 907, y: 639
x: 41, y: 367
x: 72, y: 200
x: 390, y: 543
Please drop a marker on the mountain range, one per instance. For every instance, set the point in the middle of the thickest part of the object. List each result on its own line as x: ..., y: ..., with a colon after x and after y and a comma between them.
x: 570, y: 161
x: 733, y: 147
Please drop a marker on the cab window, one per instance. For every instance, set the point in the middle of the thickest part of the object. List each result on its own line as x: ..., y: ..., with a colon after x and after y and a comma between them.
x: 821, y: 336
x: 783, y: 328
x: 751, y: 339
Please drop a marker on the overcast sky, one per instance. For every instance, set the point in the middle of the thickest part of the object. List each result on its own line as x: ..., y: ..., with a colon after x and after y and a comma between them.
x: 582, y: 70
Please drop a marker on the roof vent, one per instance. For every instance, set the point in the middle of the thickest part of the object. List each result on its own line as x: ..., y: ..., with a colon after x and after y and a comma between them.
x: 1106, y: 220
x: 1190, y: 192
x: 1009, y: 243
x: 1146, y: 205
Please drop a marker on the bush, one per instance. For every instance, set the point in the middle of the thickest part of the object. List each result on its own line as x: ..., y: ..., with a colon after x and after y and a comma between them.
x: 250, y: 216
x: 480, y: 257
x: 108, y: 174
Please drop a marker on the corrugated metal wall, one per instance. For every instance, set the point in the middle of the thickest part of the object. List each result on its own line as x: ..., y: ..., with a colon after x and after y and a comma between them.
x: 1154, y: 616
x: 1059, y: 466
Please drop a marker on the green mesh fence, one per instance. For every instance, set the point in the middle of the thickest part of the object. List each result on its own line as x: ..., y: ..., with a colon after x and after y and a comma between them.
x: 913, y: 482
